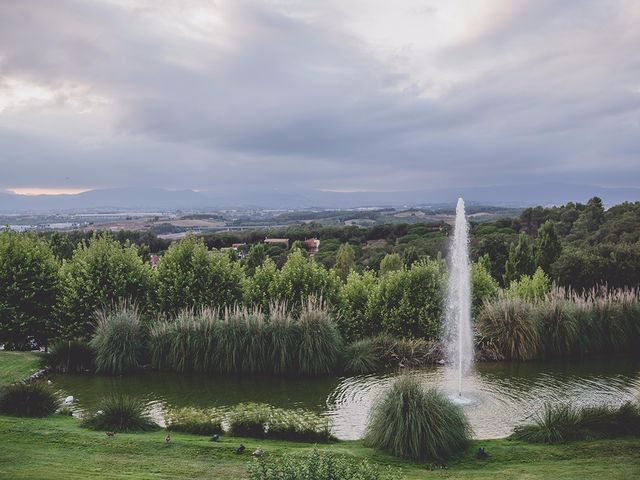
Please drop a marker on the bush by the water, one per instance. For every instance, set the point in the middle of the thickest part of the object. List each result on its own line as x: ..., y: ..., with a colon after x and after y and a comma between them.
x: 409, y: 421
x: 362, y: 356
x: 562, y: 323
x: 28, y: 400
x: 120, y: 413
x: 117, y: 340
x: 316, y: 466
x: 265, y: 421
x: 564, y: 423
x: 197, y: 421
x: 242, y: 340
x: 69, y: 356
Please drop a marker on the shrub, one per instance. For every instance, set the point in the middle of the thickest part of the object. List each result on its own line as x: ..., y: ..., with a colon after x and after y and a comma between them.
x: 28, y: 400
x: 316, y: 466
x: 28, y: 289
x: 196, y: 421
x: 411, y: 422
x: 117, y: 340
x: 563, y: 423
x: 320, y: 343
x: 98, y: 275
x: 355, y: 319
x: 260, y: 420
x: 284, y: 339
x: 508, y: 323
x: 560, y: 326
x: 362, y: 356
x: 120, y: 413
x: 403, y: 352
x: 69, y: 356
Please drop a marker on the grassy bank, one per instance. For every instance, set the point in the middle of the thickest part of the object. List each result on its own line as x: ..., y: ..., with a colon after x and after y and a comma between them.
x: 14, y: 366
x: 56, y: 447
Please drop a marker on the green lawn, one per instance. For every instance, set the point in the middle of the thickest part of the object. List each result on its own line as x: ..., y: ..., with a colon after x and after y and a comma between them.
x: 15, y: 366
x: 56, y: 447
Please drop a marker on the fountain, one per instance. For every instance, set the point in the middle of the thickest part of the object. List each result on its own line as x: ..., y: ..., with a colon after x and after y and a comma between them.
x: 458, y: 333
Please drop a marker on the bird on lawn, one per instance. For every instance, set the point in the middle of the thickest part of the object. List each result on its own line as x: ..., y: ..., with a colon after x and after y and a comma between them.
x: 110, y: 434
x: 167, y: 439
x: 481, y: 454
x: 257, y: 452
x: 240, y: 449
x: 215, y: 438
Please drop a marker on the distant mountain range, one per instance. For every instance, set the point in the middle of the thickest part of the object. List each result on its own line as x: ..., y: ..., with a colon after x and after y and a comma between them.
x: 158, y: 198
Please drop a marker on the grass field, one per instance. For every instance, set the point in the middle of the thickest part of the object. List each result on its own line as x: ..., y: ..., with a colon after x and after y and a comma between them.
x: 15, y: 366
x: 57, y: 448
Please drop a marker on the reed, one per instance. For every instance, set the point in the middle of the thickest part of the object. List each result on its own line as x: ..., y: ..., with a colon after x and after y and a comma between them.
x: 320, y: 340
x: 197, y: 421
x: 411, y: 422
x: 117, y: 340
x: 363, y: 356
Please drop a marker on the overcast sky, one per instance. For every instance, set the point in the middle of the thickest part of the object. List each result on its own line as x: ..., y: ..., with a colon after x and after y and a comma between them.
x: 345, y: 95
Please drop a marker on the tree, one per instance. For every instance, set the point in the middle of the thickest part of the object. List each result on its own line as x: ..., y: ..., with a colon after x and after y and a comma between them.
x: 483, y: 285
x: 531, y: 287
x: 390, y: 263
x: 409, y: 302
x: 98, y: 275
x: 28, y: 289
x: 590, y: 218
x: 356, y: 320
x: 255, y: 258
x: 548, y: 247
x: 345, y: 261
x: 301, y: 278
x: 410, y: 256
x: 259, y: 287
x: 190, y: 276
x: 521, y: 259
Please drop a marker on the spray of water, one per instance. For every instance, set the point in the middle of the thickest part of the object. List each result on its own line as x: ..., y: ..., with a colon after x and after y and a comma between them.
x: 458, y: 330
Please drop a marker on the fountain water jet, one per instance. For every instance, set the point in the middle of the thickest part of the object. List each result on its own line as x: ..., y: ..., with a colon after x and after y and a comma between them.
x: 458, y: 332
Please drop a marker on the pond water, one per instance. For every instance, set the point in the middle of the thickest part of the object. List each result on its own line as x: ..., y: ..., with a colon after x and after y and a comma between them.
x: 500, y: 395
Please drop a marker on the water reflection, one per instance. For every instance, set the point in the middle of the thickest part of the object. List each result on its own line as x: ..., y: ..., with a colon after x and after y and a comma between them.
x: 501, y: 395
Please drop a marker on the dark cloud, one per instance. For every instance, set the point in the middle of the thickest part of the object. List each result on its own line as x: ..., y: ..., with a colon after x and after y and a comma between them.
x: 266, y: 94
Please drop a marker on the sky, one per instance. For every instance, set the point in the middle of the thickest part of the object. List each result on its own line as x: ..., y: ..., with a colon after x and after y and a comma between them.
x: 338, y: 95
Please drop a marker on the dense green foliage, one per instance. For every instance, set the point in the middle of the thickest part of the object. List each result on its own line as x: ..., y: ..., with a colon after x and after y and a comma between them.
x: 316, y: 466
x: 120, y: 413
x: 117, y: 340
x: 563, y: 423
x: 100, y: 274
x: 411, y: 422
x: 190, y: 276
x: 28, y: 289
x: 33, y: 399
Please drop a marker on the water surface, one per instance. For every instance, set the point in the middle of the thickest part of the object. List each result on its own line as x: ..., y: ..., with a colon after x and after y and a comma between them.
x: 497, y: 396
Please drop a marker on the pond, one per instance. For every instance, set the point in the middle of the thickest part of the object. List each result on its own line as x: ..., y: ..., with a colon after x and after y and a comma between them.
x: 501, y: 395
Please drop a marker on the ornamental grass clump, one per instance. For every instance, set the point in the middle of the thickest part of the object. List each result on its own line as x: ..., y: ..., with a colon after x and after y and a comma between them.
x: 117, y: 340
x: 320, y: 343
x: 120, y: 413
x: 363, y: 356
x: 28, y: 400
x: 317, y: 466
x: 411, y: 422
x: 69, y: 356
x: 249, y: 420
x: 563, y: 423
x: 508, y: 323
x: 197, y: 421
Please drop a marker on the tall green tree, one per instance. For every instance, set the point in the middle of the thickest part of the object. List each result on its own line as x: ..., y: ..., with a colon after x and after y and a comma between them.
x: 521, y: 259
x: 98, y: 275
x: 28, y: 289
x: 591, y: 218
x: 548, y: 246
x: 356, y: 319
x: 345, y: 261
x: 190, y: 276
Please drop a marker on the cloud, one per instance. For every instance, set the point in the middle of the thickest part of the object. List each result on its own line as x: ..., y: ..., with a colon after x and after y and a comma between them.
x: 341, y: 95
